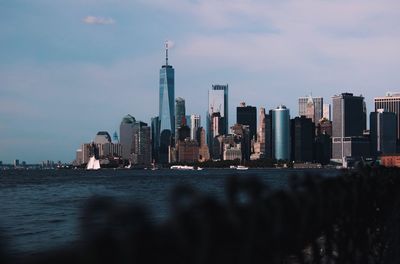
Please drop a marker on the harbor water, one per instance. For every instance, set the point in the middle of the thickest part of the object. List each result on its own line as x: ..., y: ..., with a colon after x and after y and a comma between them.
x: 40, y: 209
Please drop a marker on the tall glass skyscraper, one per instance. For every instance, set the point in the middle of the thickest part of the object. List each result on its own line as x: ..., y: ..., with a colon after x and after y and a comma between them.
x: 166, y: 108
x: 167, y: 96
x: 281, y: 133
x: 180, y: 114
x: 217, y: 103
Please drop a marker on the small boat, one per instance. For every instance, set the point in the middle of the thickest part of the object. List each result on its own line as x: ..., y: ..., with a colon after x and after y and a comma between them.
x: 93, y: 164
x: 240, y: 167
x: 232, y: 167
x: 182, y: 167
x: 199, y: 168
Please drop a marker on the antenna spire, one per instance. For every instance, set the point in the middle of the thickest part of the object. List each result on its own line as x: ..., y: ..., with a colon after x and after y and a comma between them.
x: 166, y: 52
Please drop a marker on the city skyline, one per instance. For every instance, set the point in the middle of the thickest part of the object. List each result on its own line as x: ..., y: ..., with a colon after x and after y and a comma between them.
x: 71, y: 69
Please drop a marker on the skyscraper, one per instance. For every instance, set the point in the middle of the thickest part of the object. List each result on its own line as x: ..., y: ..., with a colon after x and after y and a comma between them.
x: 348, y: 115
x: 383, y: 132
x: 259, y: 145
x: 327, y: 112
x: 311, y: 107
x: 141, y: 147
x: 390, y: 103
x: 348, y: 126
x: 125, y: 134
x: 166, y: 108
x: 247, y: 115
x: 302, y: 139
x: 281, y: 133
x: 218, y: 102
x: 194, y: 125
x: 155, y: 137
x: 180, y: 114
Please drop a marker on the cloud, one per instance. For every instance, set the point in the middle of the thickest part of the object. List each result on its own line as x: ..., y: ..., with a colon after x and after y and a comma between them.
x: 93, y: 20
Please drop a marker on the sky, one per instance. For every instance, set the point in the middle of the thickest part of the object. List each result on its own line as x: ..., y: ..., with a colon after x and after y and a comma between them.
x: 71, y: 68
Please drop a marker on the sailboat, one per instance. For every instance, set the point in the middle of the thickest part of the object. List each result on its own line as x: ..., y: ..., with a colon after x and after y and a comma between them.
x: 93, y: 164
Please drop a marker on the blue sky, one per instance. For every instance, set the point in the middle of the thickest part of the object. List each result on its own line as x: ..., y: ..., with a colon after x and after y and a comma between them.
x: 71, y: 68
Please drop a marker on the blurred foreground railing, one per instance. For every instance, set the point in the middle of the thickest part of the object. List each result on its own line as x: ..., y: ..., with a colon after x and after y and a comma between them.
x: 353, y: 218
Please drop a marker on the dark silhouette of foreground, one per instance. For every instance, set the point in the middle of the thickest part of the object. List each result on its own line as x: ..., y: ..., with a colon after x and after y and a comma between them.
x: 352, y: 218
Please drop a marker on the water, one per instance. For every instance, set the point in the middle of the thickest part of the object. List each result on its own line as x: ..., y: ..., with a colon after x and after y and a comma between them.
x: 41, y: 209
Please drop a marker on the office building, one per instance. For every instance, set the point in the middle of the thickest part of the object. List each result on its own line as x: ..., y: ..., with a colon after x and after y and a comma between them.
x: 247, y: 115
x: 323, y: 148
x: 204, y: 153
x: 141, y: 146
x: 383, y: 132
x: 187, y: 150
x: 311, y: 107
x: 155, y: 138
x: 180, y: 114
x: 218, y: 103
x: 302, y: 139
x: 326, y: 112
x: 166, y: 109
x: 324, y: 126
x: 390, y: 103
x: 268, y: 136
x: 281, y: 133
x: 259, y: 145
x: 232, y: 152
x: 102, y: 137
x: 183, y: 133
x: 348, y: 125
x: 125, y: 134
x: 241, y: 134
x: 195, y: 123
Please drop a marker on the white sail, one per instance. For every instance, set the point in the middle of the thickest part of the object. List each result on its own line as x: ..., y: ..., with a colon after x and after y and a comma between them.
x: 96, y: 165
x: 93, y: 164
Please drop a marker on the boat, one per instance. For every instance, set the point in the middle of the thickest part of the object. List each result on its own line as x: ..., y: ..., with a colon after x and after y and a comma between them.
x: 240, y: 167
x: 93, y: 164
x: 199, y: 168
x: 181, y: 167
x: 232, y: 167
